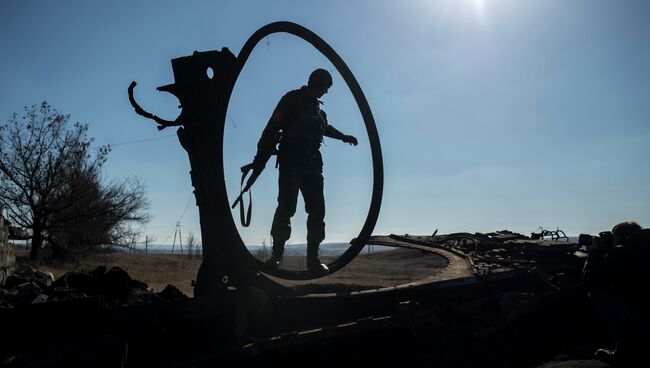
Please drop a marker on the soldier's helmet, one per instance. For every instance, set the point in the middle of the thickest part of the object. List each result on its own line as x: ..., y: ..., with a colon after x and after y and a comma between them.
x: 320, y: 78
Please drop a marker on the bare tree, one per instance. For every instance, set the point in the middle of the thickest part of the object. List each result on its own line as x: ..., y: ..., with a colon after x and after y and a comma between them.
x: 50, y: 183
x: 191, y: 242
x: 103, y: 214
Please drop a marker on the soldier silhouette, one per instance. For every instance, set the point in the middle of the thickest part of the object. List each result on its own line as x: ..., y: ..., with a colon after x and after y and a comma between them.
x: 302, y: 124
x: 616, y: 277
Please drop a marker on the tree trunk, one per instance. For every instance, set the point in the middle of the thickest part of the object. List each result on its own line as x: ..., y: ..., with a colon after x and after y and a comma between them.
x: 58, y: 253
x: 37, y: 242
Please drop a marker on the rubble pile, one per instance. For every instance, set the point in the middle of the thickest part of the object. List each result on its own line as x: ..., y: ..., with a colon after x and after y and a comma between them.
x: 504, y: 250
x: 113, y: 286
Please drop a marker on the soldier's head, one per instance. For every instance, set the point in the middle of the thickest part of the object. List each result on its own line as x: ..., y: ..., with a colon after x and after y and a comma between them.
x: 320, y: 80
x: 623, y: 230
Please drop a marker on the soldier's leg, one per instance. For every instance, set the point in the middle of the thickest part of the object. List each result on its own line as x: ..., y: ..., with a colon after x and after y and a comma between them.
x: 287, y: 199
x: 312, y: 192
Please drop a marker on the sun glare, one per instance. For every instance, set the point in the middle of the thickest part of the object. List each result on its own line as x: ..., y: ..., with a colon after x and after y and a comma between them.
x: 459, y: 10
x: 479, y: 10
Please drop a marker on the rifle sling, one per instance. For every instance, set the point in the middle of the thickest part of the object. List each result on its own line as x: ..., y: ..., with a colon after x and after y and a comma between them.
x: 245, y: 218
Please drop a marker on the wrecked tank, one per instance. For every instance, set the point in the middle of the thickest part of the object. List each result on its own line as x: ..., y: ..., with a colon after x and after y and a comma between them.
x: 504, y: 299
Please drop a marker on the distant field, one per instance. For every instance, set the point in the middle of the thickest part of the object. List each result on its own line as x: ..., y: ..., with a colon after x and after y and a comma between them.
x: 157, y: 270
x: 382, y: 269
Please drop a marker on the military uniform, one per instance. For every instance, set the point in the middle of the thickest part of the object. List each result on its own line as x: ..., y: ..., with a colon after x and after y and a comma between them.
x: 303, y: 124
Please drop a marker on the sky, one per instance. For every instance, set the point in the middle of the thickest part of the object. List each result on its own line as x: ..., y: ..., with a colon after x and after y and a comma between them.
x: 492, y: 114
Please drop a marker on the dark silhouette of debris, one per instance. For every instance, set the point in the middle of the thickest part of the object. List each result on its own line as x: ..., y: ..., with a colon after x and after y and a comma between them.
x: 114, y: 286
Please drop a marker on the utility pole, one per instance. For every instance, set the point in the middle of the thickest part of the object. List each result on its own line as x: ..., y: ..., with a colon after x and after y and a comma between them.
x: 177, y: 232
x: 146, y: 243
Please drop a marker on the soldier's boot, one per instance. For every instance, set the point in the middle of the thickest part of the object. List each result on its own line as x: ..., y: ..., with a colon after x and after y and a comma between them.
x: 276, y: 255
x: 313, y: 262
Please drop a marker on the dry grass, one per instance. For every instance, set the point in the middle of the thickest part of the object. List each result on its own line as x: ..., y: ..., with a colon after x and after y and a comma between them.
x: 157, y: 270
x: 382, y: 269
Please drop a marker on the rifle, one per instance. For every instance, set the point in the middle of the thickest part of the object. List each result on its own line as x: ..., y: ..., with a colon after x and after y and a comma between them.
x: 257, y: 166
x: 251, y: 180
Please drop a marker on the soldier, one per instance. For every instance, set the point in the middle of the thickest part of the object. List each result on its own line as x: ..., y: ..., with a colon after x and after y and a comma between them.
x: 615, y: 275
x: 302, y: 124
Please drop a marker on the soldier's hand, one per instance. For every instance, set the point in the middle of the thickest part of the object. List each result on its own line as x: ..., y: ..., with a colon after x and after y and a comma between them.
x: 259, y: 162
x: 350, y: 139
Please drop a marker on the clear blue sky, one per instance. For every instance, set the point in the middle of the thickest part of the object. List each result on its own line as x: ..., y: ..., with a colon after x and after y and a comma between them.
x: 492, y: 114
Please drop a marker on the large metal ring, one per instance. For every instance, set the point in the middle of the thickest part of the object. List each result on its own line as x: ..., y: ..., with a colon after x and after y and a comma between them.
x: 377, y: 162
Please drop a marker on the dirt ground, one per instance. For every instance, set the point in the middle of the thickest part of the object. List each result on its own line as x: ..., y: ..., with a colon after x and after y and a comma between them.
x: 381, y: 269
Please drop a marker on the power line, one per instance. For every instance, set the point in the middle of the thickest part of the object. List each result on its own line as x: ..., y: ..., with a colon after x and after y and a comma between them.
x: 186, y: 206
x: 142, y: 140
x: 168, y: 236
x: 179, y: 220
x: 231, y: 121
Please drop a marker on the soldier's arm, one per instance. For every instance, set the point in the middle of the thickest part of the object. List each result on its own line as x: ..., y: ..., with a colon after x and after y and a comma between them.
x: 271, y: 134
x: 330, y: 131
x: 276, y: 123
